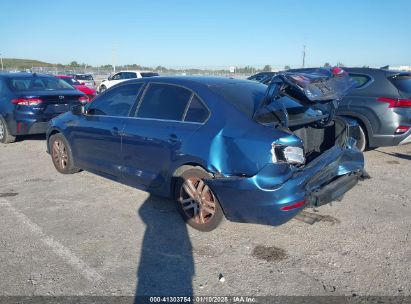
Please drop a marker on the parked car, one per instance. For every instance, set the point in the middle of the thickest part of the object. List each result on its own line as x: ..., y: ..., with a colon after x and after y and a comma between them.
x: 90, y: 92
x: 28, y: 102
x: 219, y: 146
x: 85, y: 79
x: 122, y: 76
x: 380, y: 103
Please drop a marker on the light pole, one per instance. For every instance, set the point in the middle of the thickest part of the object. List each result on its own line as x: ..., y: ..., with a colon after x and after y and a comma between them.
x: 303, y: 55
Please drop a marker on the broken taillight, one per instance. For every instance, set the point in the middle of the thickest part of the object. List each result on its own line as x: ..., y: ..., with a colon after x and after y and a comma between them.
x: 289, y: 154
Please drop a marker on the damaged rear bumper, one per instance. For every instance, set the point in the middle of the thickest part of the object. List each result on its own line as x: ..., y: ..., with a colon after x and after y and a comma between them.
x: 274, y: 195
x: 335, y: 189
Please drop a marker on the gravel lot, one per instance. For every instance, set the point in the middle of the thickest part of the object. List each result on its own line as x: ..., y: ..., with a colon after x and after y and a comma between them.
x: 85, y: 235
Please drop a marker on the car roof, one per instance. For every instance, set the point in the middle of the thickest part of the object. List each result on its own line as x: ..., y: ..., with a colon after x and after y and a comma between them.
x: 209, y: 81
x: 24, y: 75
x: 136, y: 71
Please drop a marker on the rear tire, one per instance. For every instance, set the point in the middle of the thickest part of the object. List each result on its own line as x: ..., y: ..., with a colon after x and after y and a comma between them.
x: 197, y: 203
x: 5, y: 136
x: 362, y: 141
x: 102, y: 88
x: 61, y: 155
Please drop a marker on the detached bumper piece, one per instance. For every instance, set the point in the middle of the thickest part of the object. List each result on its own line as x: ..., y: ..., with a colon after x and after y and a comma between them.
x: 336, y: 189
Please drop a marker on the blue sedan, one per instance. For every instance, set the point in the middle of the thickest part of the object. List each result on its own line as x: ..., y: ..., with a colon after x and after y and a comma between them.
x: 28, y: 102
x: 221, y: 147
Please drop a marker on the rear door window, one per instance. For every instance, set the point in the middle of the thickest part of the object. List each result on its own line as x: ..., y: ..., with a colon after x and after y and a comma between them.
x: 164, y: 101
x: 115, y: 102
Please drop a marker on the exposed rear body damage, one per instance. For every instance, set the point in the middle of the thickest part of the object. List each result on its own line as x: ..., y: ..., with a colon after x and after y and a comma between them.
x: 330, y: 172
x: 332, y: 164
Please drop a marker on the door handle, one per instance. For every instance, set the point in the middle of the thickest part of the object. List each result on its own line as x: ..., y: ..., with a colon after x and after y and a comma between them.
x: 173, y: 139
x: 115, y: 131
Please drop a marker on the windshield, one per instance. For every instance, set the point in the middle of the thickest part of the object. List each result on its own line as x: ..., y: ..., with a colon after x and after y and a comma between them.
x: 245, y: 96
x: 402, y: 83
x: 70, y: 81
x: 84, y: 77
x: 37, y: 83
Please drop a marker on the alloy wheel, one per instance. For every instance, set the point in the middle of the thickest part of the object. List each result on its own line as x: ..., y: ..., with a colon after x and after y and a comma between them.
x: 197, y: 200
x: 59, y: 154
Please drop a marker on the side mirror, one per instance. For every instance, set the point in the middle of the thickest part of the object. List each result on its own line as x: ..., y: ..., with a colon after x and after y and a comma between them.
x: 83, y: 83
x: 110, y: 77
x: 78, y: 110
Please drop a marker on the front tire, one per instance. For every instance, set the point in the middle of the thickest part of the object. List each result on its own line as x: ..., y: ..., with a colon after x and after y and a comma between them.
x: 197, y: 203
x: 5, y: 136
x: 61, y: 154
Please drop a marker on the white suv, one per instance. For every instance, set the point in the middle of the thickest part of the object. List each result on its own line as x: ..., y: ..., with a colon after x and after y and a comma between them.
x: 122, y: 76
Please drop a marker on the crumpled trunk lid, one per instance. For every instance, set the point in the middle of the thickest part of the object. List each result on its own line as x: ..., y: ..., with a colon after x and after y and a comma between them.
x: 294, y: 99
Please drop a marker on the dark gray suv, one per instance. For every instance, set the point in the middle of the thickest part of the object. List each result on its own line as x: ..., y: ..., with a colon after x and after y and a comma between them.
x: 380, y: 103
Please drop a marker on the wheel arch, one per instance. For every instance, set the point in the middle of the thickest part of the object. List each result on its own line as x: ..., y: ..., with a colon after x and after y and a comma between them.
x: 179, y: 170
x: 364, y: 123
x: 49, y: 134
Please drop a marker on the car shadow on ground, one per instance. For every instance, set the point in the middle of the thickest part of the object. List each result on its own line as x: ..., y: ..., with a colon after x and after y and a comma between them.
x: 31, y: 137
x: 166, y: 265
x: 395, y: 154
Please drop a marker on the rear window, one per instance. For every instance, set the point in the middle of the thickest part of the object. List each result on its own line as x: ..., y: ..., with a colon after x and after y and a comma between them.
x: 37, y: 83
x: 402, y: 83
x: 260, y: 77
x: 84, y: 77
x: 148, y: 74
x: 246, y: 97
